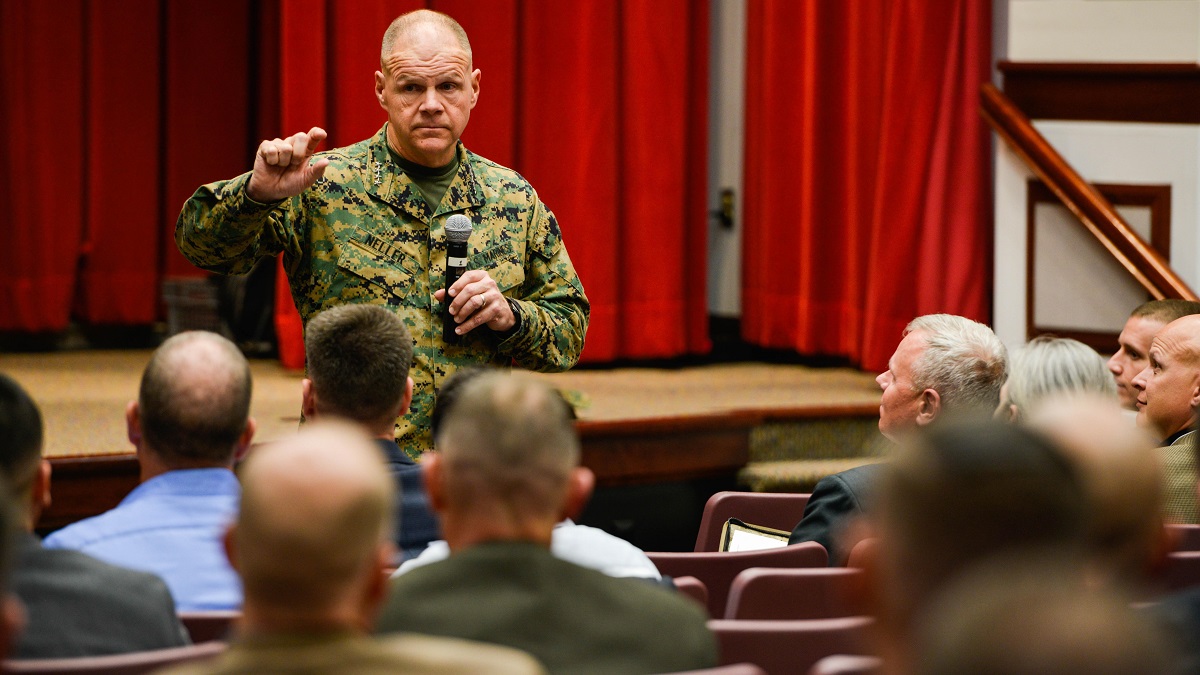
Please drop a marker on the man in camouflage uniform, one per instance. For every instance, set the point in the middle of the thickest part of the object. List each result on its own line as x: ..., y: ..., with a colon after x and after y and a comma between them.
x: 365, y: 224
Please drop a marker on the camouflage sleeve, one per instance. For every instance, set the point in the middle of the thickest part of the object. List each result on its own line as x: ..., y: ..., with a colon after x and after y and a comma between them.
x: 553, y: 308
x: 222, y: 230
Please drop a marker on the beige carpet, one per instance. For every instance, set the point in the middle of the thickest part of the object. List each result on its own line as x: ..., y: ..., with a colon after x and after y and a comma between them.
x: 83, y: 393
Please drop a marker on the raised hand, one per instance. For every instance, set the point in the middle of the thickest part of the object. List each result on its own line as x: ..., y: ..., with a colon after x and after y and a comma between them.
x: 282, y: 169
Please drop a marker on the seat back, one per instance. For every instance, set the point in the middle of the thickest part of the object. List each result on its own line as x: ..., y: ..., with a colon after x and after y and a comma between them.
x: 1181, y: 570
x: 115, y: 664
x: 780, y: 647
x: 1184, y: 537
x: 207, y: 625
x: 779, y: 510
x: 694, y: 589
x: 717, y: 570
x: 804, y: 593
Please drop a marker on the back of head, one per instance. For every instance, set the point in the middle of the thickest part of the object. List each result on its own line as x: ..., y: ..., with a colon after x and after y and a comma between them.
x: 448, y: 393
x: 508, y: 440
x: 959, y: 493
x: 1019, y: 616
x: 1049, y: 365
x: 358, y: 361
x: 1166, y: 311
x: 963, y: 361
x: 20, y: 438
x: 314, y: 513
x: 1121, y: 477
x: 194, y: 400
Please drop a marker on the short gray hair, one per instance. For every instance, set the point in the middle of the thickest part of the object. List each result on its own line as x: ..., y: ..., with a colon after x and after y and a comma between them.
x: 402, y: 24
x: 1048, y: 365
x: 963, y: 361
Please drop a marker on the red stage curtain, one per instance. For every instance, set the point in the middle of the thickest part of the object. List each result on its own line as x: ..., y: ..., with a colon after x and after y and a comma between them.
x: 601, y: 104
x: 111, y: 119
x: 867, y: 194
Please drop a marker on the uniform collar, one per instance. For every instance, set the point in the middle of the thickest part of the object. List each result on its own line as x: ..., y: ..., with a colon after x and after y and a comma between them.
x: 385, y: 180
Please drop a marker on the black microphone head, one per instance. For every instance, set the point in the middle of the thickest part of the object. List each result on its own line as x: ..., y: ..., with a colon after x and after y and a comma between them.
x: 458, y: 228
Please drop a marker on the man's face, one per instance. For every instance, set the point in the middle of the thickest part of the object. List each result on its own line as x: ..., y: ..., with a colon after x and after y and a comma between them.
x: 1169, y: 387
x: 1131, y: 357
x: 901, y: 401
x: 428, y: 89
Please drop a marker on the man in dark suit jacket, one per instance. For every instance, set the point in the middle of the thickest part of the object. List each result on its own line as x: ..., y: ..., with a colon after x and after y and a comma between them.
x: 75, y: 605
x: 945, y: 365
x: 506, y: 472
x: 358, y: 361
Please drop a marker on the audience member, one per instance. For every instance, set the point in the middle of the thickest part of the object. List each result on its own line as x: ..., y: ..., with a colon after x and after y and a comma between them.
x: 358, y: 360
x: 1122, y: 480
x: 311, y: 544
x: 1168, y: 395
x: 580, y: 544
x: 1022, y: 616
x: 1134, y: 342
x: 946, y: 366
x: 1048, y: 366
x: 75, y: 605
x: 12, y: 616
x: 189, y: 424
x: 954, y: 496
x: 506, y: 472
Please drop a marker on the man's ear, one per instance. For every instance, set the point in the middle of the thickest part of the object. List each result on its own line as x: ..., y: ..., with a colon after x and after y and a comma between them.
x: 244, y: 441
x: 133, y: 423
x: 375, y: 591
x: 380, y: 85
x: 408, y: 391
x: 475, y: 77
x: 931, y: 407
x: 579, y: 490
x: 308, y: 400
x: 431, y: 474
x: 13, y: 620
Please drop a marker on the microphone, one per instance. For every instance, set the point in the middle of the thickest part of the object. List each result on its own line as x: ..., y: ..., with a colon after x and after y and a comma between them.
x: 458, y: 231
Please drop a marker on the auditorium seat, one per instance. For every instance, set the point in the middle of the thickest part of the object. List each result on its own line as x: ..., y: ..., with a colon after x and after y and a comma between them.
x: 806, y: 593
x: 789, y: 647
x: 779, y: 510
x: 115, y: 664
x: 206, y: 625
x: 693, y: 588
x: 717, y: 570
x: 844, y: 664
x: 1181, y: 570
x: 1184, y: 537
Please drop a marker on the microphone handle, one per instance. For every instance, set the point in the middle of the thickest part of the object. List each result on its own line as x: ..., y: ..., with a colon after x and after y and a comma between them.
x: 456, y: 265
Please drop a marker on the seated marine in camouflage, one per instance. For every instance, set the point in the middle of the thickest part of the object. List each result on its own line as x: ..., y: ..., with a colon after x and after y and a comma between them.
x: 366, y: 224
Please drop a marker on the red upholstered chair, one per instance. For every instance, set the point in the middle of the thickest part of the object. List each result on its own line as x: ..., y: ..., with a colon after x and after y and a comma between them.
x: 693, y: 588
x: 805, y: 593
x: 843, y: 664
x: 1184, y: 537
x: 1181, y: 570
x: 779, y: 510
x: 789, y: 647
x: 735, y: 669
x: 206, y: 625
x: 115, y: 664
x: 717, y: 570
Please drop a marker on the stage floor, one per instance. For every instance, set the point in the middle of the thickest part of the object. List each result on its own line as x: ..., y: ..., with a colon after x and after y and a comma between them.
x: 83, y: 394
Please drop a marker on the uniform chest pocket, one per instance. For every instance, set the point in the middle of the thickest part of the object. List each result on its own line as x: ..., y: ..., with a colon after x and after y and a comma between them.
x: 381, y: 271
x: 500, y: 261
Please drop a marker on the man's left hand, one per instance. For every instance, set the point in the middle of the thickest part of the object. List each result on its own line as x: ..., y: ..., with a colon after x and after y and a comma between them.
x: 477, y: 301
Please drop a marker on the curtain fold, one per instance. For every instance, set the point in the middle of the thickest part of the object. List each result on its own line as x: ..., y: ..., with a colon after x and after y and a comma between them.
x: 867, y: 198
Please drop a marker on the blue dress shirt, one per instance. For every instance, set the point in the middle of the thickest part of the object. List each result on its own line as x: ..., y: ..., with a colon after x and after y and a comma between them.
x: 171, y: 525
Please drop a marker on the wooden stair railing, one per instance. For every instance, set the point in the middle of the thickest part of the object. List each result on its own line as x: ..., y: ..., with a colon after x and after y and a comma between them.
x: 1095, y: 212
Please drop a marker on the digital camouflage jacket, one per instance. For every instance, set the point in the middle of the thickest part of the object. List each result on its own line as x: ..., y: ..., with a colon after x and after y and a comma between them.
x: 363, y: 233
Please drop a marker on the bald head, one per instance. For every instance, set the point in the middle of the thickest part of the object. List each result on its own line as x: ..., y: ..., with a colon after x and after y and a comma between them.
x: 1169, y: 388
x: 1121, y: 476
x: 314, y: 515
x: 194, y: 400
x: 509, y: 438
x: 419, y: 24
